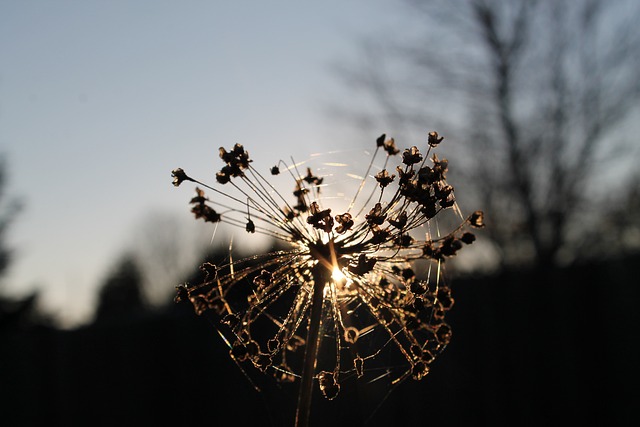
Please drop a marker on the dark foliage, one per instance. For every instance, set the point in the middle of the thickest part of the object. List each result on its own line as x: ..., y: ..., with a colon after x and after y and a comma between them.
x: 8, y: 209
x: 529, y: 348
x: 121, y: 294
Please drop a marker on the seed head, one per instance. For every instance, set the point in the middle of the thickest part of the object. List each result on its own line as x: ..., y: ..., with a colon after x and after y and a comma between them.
x: 378, y: 265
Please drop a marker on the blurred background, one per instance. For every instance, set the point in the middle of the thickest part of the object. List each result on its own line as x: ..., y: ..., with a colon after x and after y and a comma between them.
x: 99, y: 101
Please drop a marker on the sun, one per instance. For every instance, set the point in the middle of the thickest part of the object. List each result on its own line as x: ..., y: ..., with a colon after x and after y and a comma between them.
x: 337, y: 275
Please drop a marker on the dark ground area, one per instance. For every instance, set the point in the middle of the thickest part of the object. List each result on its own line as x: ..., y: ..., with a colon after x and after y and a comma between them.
x: 529, y: 348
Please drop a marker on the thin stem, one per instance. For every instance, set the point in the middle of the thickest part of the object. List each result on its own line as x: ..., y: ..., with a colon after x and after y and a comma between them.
x: 320, y: 279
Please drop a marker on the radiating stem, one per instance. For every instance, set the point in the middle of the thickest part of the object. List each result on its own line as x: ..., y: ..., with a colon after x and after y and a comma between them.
x: 320, y: 279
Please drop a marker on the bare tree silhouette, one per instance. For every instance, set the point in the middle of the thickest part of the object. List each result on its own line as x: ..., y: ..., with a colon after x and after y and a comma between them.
x: 166, y: 250
x: 537, y: 90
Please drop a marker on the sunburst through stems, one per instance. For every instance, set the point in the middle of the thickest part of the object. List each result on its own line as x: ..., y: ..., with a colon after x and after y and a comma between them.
x: 349, y: 298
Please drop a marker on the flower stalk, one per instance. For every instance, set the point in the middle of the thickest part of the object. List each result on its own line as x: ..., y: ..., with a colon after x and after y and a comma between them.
x: 320, y: 276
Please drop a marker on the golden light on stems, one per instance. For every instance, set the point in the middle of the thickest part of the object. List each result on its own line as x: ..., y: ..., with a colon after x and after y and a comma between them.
x: 346, y: 296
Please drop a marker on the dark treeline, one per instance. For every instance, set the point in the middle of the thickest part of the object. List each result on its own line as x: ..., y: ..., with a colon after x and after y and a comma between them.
x: 529, y: 348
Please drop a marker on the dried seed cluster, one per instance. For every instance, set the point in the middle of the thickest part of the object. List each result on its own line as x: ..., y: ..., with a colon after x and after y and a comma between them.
x: 375, y: 305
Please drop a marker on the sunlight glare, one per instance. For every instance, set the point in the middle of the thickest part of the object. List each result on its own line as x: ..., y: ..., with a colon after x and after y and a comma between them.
x: 337, y: 275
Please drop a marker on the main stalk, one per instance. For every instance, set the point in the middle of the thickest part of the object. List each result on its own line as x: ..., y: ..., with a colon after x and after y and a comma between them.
x: 320, y: 279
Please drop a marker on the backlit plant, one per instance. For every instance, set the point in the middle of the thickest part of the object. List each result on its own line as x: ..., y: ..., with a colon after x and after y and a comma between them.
x: 354, y: 290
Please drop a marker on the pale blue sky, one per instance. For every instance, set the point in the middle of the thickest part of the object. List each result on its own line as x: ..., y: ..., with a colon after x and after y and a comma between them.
x: 99, y: 100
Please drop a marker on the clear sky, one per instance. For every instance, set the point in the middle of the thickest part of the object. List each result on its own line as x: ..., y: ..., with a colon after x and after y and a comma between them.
x: 100, y: 100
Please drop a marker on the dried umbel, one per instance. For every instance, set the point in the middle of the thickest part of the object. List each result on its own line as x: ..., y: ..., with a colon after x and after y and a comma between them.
x: 359, y: 293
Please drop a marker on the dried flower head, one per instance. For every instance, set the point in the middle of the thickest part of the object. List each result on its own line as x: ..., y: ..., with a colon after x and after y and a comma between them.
x: 356, y: 288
